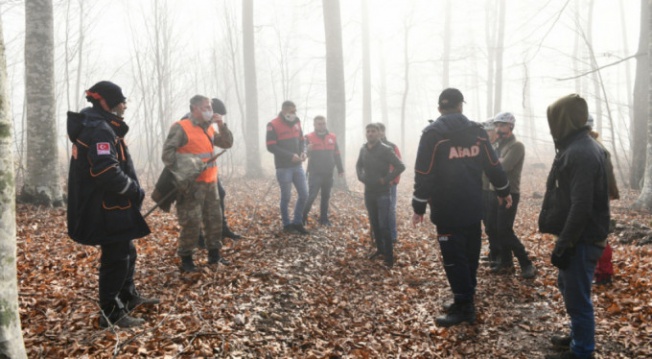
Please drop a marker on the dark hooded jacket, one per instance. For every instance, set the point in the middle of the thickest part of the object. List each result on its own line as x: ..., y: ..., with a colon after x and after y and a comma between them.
x: 576, y: 203
x: 453, y: 153
x: 100, y: 181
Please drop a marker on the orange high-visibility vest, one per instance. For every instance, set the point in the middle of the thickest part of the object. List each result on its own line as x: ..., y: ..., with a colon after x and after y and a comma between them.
x: 200, y: 143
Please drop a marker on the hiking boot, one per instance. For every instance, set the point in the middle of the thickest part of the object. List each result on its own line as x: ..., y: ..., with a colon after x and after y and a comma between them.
x: 300, y: 229
x: 447, y: 307
x: 187, y: 265
x: 503, y: 268
x: 213, y: 256
x: 603, y: 280
x: 563, y: 355
x: 528, y: 271
x: 201, y: 244
x: 137, y: 301
x: 376, y: 255
x: 290, y: 229
x: 119, y: 318
x: 561, y: 341
x: 224, y: 262
x: 228, y: 233
x: 458, y: 314
x: 324, y: 222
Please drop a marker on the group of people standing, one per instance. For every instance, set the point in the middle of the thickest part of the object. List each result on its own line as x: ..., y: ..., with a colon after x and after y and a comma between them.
x: 465, y: 173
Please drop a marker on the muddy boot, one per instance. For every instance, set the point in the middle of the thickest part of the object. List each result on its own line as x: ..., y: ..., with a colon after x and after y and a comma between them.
x: 187, y: 265
x: 213, y: 256
x: 115, y: 313
x: 458, y: 313
x: 136, y: 300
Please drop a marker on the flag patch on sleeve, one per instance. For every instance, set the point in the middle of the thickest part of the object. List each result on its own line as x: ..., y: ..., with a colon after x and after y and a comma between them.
x: 103, y: 148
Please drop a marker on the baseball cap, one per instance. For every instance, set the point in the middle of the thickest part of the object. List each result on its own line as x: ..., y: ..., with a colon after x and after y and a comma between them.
x: 488, y: 125
x: 505, y: 117
x: 450, y: 98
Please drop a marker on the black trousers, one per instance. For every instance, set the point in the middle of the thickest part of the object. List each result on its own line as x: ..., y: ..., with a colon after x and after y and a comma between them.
x: 507, y: 239
x: 222, y: 193
x: 378, y: 208
x: 319, y: 182
x: 490, y: 219
x: 460, y: 250
x: 117, y: 266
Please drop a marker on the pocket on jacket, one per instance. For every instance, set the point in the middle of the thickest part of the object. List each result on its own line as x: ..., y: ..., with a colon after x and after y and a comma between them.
x: 554, y: 212
x: 117, y: 211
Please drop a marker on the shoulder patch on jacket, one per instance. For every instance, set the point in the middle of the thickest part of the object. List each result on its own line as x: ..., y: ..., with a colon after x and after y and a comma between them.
x: 103, y: 148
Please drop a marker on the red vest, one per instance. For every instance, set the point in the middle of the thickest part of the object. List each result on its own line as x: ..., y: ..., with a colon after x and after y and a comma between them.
x: 200, y: 143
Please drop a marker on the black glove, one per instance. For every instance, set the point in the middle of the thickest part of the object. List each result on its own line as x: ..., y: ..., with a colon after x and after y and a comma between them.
x: 562, y: 256
x: 136, y: 194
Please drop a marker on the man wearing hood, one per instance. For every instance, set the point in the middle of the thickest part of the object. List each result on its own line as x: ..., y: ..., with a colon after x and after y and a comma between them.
x: 198, y: 203
x: 104, y: 200
x: 285, y: 140
x: 323, y: 156
x: 453, y: 153
x: 576, y: 210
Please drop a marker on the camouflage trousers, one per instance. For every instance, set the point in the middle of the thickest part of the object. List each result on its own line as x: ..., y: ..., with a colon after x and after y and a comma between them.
x: 199, y: 205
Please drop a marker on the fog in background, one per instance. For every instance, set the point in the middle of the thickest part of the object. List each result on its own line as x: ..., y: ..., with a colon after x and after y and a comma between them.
x: 163, y: 52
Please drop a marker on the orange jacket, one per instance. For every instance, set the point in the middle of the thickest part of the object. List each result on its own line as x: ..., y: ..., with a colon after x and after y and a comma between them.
x: 200, y: 143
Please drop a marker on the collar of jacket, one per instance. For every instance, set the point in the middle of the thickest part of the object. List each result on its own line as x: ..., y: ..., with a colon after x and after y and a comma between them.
x: 296, y: 119
x: 506, y: 142
x: 566, y: 141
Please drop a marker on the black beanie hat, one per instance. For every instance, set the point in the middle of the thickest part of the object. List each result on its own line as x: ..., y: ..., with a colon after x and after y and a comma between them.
x: 107, y: 91
x: 218, y: 106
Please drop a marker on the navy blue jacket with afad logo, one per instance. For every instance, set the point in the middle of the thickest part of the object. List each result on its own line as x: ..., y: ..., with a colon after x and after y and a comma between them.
x: 453, y: 153
x: 284, y: 140
x: 101, y: 173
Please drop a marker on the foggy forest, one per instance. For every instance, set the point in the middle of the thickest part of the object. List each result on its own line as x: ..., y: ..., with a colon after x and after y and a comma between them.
x: 353, y: 62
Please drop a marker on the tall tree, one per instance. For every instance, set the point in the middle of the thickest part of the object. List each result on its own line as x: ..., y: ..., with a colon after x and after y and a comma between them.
x: 366, y: 66
x: 42, y: 182
x: 645, y: 199
x: 11, y: 335
x: 335, y: 87
x: 641, y: 92
x: 446, y: 54
x: 498, y: 52
x: 254, y: 168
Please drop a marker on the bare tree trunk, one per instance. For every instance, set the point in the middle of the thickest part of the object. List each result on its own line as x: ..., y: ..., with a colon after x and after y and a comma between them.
x: 446, y: 55
x: 383, y: 87
x: 645, y: 199
x: 597, y: 111
x: 500, y: 43
x: 641, y: 93
x: 577, y: 67
x: 42, y: 182
x: 252, y: 141
x: 366, y: 66
x: 406, y: 81
x: 490, y: 36
x: 335, y: 87
x: 11, y: 335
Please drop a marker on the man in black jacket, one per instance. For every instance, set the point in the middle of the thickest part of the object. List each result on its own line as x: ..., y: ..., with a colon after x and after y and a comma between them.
x: 453, y: 153
x: 373, y: 169
x: 104, y: 199
x: 576, y: 210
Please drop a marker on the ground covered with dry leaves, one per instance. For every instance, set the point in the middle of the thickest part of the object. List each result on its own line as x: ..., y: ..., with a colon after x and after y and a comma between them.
x: 317, y: 296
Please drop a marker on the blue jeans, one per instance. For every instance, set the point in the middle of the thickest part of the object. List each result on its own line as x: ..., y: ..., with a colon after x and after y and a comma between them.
x: 392, y: 212
x: 574, y: 284
x: 286, y: 177
x: 460, y: 250
x: 378, y: 208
